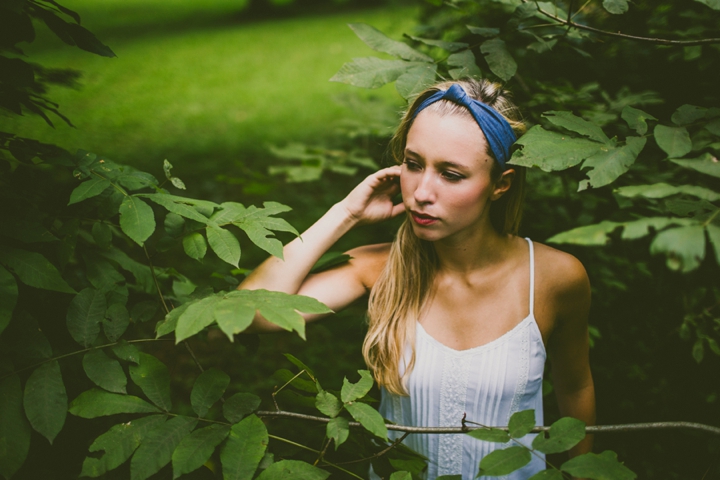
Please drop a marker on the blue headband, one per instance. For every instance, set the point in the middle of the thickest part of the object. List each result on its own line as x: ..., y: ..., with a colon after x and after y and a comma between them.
x: 497, y: 130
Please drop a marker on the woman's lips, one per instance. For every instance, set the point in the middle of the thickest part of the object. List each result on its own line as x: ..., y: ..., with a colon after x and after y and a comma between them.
x: 422, y: 219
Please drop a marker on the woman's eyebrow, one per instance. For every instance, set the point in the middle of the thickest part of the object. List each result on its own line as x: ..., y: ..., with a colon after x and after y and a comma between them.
x: 448, y: 164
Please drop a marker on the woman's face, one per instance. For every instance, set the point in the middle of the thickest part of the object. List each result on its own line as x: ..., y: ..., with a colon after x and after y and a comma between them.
x: 445, y: 178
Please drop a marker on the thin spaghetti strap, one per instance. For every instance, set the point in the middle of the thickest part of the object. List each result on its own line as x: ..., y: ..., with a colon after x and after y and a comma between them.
x: 532, y: 276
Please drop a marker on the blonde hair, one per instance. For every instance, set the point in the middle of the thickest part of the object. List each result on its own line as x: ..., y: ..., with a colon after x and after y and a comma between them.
x: 400, y: 292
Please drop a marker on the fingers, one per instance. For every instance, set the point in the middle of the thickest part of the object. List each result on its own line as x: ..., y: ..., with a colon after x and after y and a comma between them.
x: 390, y: 173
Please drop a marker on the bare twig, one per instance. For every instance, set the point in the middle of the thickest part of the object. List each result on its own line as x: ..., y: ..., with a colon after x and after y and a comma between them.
x: 629, y: 427
x: 382, y: 452
x: 657, y: 41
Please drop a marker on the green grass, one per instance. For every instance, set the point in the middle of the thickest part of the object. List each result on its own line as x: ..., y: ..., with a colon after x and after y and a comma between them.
x: 200, y: 84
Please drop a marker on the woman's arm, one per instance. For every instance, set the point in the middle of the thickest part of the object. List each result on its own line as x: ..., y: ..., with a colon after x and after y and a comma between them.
x: 569, y: 349
x: 371, y: 201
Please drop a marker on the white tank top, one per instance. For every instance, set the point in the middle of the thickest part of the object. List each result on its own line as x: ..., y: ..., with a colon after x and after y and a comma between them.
x: 488, y: 383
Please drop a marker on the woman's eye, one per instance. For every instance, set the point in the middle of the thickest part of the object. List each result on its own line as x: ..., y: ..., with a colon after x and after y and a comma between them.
x: 411, y: 165
x: 453, y: 177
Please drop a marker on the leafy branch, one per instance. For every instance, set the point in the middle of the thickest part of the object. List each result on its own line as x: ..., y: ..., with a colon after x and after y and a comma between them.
x: 657, y: 41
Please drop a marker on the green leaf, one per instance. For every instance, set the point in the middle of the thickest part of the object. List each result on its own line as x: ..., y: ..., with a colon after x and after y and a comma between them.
x: 401, y: 476
x: 295, y: 469
x: 284, y: 376
x: 257, y: 223
x: 641, y: 227
x: 372, y: 72
x: 224, y: 244
x: 118, y: 443
x: 244, y: 449
x: 608, y: 166
x: 576, y: 124
x: 604, y: 466
x: 169, y: 324
x: 153, y: 378
x: 137, y: 219
x: 521, y: 423
x: 553, y: 151
x: 126, y: 351
x: 104, y: 371
x: 157, y: 447
x: 449, y: 46
x: 178, y: 205
x: 714, y: 4
x: 550, y: 474
x: 636, y: 119
x: 84, y: 315
x: 684, y: 247
x: 89, y: 188
x: 503, y: 462
x: 465, y: 60
x: 713, y: 232
x: 675, y: 141
x: 562, y: 436
x: 489, y: 434
x: 195, y: 449
x: 415, y: 80
x: 328, y: 404
x: 197, y: 316
x: 174, y: 224
x: 33, y: 269
x: 338, y: 429
x: 368, y: 418
x: 706, y: 164
x: 195, y: 246
x: 499, y: 60
x: 688, y: 114
x: 276, y: 307
x: 698, y: 350
x: 8, y: 297
x: 239, y: 405
x: 208, y: 389
x: 102, y: 234
x: 14, y: 428
x: 616, y: 7
x: 233, y: 315
x: 101, y: 274
x: 377, y: 40
x: 295, y: 361
x: 45, y: 400
x: 97, y: 403
x: 329, y: 260
x: 482, y: 31
x: 663, y: 190
x: 590, y: 235
x: 353, y: 391
x: 116, y: 321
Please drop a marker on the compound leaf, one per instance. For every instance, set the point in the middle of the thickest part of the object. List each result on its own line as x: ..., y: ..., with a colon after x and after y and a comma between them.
x: 328, y: 403
x: 416, y: 80
x: 662, y: 190
x: 104, y: 371
x: 675, y: 141
x: 157, y: 447
x: 195, y: 449
x: 14, y: 428
x: 368, y: 418
x: 503, y: 462
x: 377, y: 40
x: 576, y: 124
x: 295, y: 469
x: 338, y: 429
x: 372, y: 72
x: 224, y: 244
x: 45, y: 400
x: 562, y: 436
x: 195, y: 246
x: 353, y: 391
x: 490, y: 435
x: 706, y: 164
x: 153, y: 378
x: 33, y: 269
x: 208, y: 389
x: 521, y: 423
x: 85, y: 314
x: 683, y: 246
x: 498, y: 58
x: 89, y: 188
x: 239, y: 405
x: 636, y: 119
x: 616, y: 7
x: 137, y: 219
x: 97, y: 403
x: 603, y: 466
x: 244, y: 449
x: 553, y: 151
x: 195, y: 317
x: 608, y: 166
x: 118, y: 443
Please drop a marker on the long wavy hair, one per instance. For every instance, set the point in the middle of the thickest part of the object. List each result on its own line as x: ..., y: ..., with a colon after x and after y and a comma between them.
x: 398, y: 296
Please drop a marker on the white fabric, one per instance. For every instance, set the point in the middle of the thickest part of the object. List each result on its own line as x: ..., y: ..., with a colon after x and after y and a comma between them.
x: 487, y: 383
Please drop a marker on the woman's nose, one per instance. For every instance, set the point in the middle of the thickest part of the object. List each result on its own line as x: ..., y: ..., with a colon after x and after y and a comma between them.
x: 425, y: 193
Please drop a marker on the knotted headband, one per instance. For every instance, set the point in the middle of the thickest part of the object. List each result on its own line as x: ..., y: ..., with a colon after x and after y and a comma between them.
x: 497, y: 130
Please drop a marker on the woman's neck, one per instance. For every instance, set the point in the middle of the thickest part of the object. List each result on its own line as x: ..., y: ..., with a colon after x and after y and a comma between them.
x: 472, y: 251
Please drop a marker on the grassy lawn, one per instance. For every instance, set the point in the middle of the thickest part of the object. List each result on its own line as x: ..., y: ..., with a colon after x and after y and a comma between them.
x: 196, y: 83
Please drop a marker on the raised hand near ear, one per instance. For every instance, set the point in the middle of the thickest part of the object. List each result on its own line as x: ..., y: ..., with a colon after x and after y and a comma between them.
x: 372, y: 200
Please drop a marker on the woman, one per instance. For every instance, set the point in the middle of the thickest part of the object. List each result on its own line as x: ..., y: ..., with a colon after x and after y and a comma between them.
x: 461, y: 310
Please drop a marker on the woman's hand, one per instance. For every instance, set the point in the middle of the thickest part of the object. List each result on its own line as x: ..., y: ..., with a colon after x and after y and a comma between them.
x: 372, y: 200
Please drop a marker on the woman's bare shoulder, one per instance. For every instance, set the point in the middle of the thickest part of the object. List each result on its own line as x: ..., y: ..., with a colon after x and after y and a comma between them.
x: 560, y: 274
x: 369, y: 261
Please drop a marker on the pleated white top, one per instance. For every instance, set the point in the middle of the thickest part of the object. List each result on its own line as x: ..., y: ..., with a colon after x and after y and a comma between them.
x: 488, y: 383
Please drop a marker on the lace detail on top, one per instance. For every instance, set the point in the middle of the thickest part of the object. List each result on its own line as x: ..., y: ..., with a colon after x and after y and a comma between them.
x: 452, y: 408
x: 523, y: 374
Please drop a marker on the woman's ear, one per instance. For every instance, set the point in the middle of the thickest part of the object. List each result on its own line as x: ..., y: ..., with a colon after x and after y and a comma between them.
x: 503, y: 184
